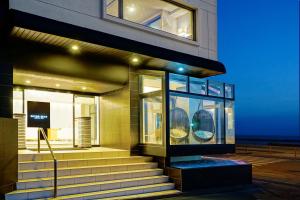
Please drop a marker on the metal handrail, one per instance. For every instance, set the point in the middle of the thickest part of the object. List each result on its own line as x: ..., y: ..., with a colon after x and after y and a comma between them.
x: 41, y: 130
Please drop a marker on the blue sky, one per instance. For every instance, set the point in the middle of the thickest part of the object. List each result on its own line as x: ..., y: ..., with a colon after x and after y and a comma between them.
x: 258, y: 41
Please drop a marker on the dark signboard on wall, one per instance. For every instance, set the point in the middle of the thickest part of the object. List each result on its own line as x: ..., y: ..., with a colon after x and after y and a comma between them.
x: 38, y: 114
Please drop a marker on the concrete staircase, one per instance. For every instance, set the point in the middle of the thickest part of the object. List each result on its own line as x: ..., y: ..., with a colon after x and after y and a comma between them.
x: 90, y: 175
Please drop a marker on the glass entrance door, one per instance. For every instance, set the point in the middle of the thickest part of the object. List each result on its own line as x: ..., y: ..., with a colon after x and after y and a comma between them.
x: 60, y: 132
x: 86, y: 108
x: 65, y: 110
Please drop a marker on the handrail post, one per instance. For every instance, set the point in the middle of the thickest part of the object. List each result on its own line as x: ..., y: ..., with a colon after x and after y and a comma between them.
x: 41, y: 130
x: 55, y: 178
x: 39, y: 140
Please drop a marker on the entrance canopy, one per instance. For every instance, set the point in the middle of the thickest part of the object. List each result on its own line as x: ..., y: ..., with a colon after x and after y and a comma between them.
x: 43, y: 48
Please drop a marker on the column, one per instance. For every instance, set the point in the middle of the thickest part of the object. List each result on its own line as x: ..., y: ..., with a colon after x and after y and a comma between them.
x: 6, y: 88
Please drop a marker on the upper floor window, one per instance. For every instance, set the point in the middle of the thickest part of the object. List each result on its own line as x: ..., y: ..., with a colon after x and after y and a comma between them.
x: 157, y: 14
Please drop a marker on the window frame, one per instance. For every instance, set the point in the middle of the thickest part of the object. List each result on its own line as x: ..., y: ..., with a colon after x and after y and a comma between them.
x: 120, y: 19
x: 142, y: 96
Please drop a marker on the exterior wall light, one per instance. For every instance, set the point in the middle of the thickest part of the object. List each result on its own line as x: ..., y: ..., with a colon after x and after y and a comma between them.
x: 28, y: 81
x: 83, y: 88
x: 57, y: 85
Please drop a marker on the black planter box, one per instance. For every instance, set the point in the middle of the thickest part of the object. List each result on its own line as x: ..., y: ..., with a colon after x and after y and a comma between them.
x: 187, y: 179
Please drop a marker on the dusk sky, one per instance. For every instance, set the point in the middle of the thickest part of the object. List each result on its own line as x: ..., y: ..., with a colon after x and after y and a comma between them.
x: 258, y: 41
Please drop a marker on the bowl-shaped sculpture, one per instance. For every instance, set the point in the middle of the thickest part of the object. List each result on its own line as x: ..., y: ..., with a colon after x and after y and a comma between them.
x: 203, y: 126
x: 179, y: 125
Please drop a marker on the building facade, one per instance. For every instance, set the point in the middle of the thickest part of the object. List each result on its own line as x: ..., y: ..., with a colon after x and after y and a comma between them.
x: 125, y: 74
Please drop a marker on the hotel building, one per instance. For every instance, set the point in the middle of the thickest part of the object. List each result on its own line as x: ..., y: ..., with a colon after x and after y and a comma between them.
x: 119, y: 90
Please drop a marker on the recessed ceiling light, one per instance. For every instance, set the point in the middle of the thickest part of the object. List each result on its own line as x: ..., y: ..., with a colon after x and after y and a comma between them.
x: 57, y: 85
x: 135, y: 60
x: 75, y: 47
x: 83, y: 88
x: 181, y: 69
x: 28, y: 81
x: 131, y: 8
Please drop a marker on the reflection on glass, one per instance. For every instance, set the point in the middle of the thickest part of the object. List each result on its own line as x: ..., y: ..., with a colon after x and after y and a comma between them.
x: 196, y: 120
x: 215, y: 88
x: 228, y: 91
x: 178, y: 82
x: 112, y: 8
x: 156, y: 14
x: 197, y: 86
x: 229, y: 122
x: 152, y: 120
x: 150, y: 83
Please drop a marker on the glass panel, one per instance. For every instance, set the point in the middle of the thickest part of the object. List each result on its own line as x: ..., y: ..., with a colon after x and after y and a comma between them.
x: 229, y: 122
x: 112, y: 7
x: 196, y: 120
x: 160, y: 15
x: 229, y: 91
x: 150, y: 83
x: 17, y: 101
x: 60, y: 132
x: 86, y: 107
x: 152, y: 120
x: 178, y: 82
x: 197, y: 86
x: 215, y: 88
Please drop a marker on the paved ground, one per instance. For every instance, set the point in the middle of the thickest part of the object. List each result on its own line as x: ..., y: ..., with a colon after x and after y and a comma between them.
x: 274, y: 177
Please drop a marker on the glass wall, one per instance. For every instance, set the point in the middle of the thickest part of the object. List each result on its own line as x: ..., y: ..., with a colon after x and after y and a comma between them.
x: 152, y: 120
x: 156, y: 14
x: 196, y: 120
x: 150, y: 83
x: 229, y: 122
x: 178, y: 83
x: 64, y: 108
x: 198, y: 86
x: 151, y: 109
x: 200, y: 112
x: 215, y: 88
x: 229, y: 91
x: 61, y: 116
x: 112, y: 8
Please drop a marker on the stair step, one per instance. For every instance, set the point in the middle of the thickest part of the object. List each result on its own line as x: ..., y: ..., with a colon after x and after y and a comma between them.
x: 153, y: 194
x: 76, y: 154
x: 133, y: 192
x: 44, y: 173
x: 79, y: 179
x: 30, y: 165
x: 85, y: 187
